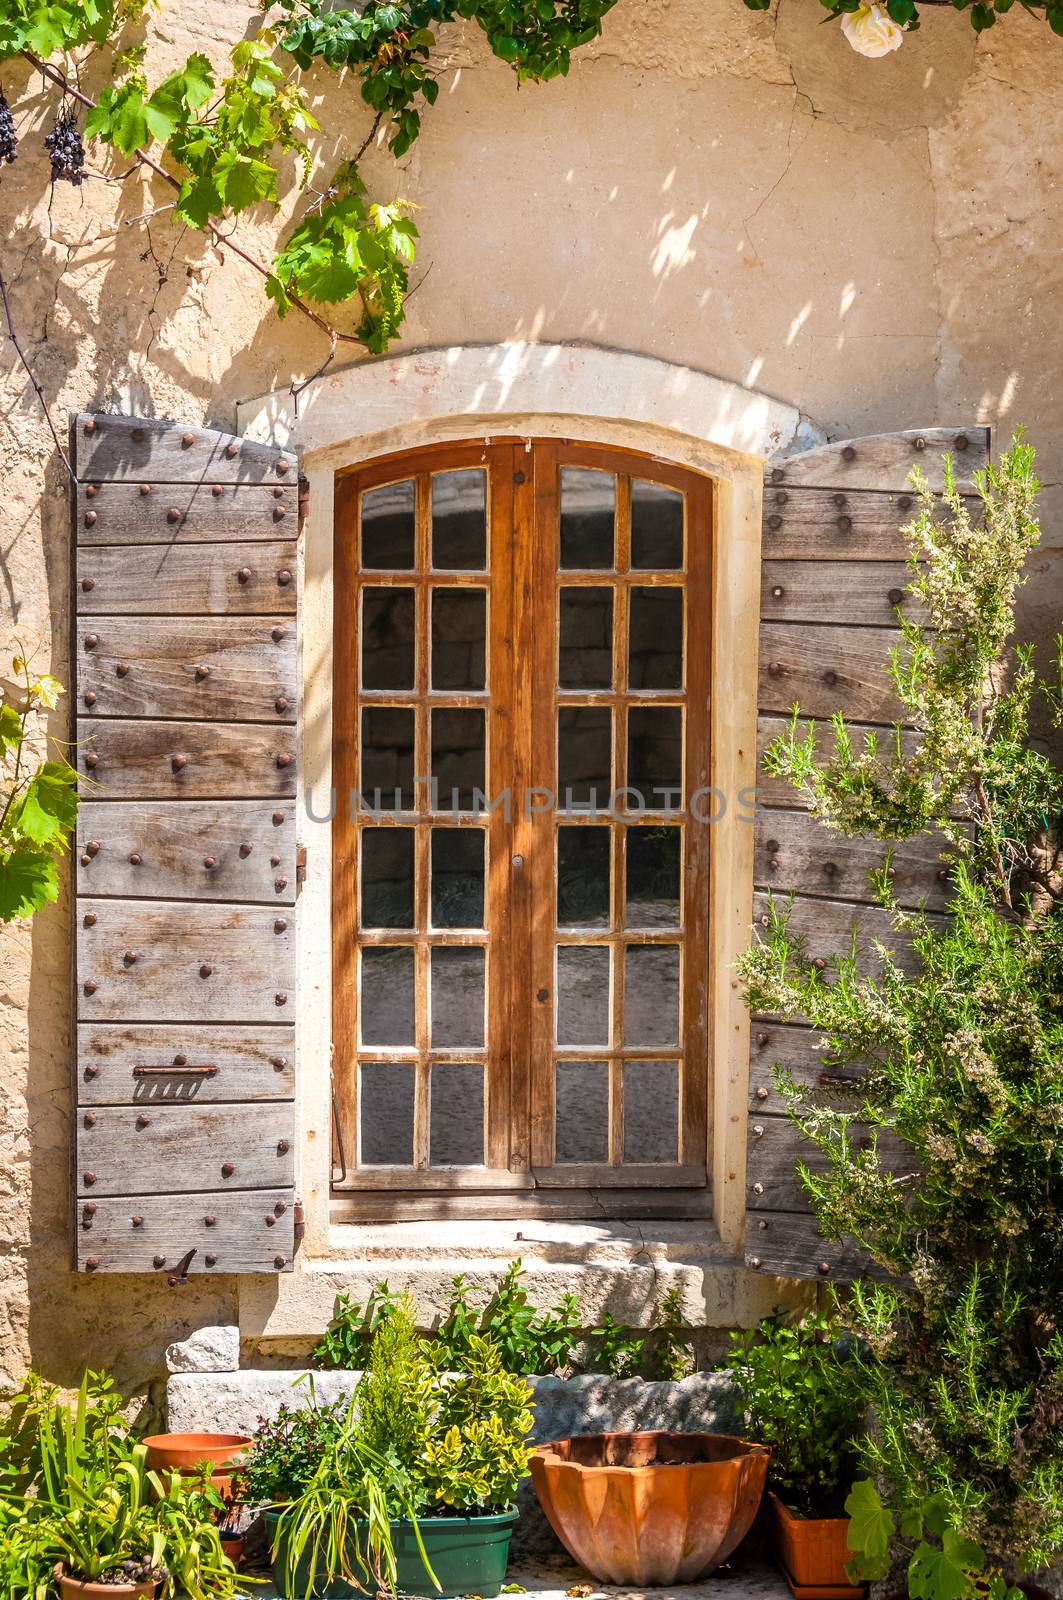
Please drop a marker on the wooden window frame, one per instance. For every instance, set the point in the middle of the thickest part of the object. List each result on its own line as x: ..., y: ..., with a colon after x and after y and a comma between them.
x: 519, y: 1177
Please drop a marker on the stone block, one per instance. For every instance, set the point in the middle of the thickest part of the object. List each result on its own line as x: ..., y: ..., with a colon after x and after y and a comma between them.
x: 206, y: 1350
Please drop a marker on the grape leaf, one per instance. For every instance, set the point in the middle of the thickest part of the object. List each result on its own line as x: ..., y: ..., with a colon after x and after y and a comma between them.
x: 48, y: 808
x: 28, y: 880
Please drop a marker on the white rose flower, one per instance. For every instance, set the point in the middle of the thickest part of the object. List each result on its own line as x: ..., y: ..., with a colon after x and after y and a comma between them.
x: 872, y: 32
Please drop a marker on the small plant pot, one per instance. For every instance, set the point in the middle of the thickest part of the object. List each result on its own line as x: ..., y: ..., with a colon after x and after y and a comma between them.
x: 83, y: 1589
x: 187, y: 1452
x: 813, y: 1552
x: 468, y: 1555
x: 650, y: 1509
x: 232, y: 1545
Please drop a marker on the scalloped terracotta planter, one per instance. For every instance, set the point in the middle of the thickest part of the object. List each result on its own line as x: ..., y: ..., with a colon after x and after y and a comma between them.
x: 650, y: 1508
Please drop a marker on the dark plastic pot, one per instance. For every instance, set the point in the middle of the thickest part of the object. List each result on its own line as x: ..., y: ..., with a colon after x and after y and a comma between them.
x: 469, y: 1556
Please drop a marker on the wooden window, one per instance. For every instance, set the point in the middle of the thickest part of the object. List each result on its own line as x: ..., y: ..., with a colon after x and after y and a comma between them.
x: 521, y: 843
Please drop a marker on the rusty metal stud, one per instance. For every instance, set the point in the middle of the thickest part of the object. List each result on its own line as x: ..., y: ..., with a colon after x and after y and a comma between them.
x: 762, y: 1224
x: 216, y: 490
x: 278, y: 1261
x: 758, y: 1188
x: 90, y: 519
x: 895, y: 597
x: 92, y: 760
x: 848, y: 454
x: 121, y: 669
x: 227, y: 1169
x: 277, y: 491
x: 86, y: 1222
x: 188, y: 439
x: 137, y: 435
x: 210, y: 1220
x: 777, y: 591
x: 178, y: 761
x: 283, y: 1146
x: 278, y: 513
x: 89, y: 986
x: 824, y: 1267
x: 280, y: 999
x: 88, y: 584
x: 210, y: 1259
x: 210, y: 861
x: 91, y: 1263
x: 202, y: 672
x: 135, y: 859
x: 781, y: 498
x: 844, y: 524
x: 283, y: 759
x: 839, y: 499
x: 280, y: 925
x: 960, y: 442
x: 130, y: 958
x: 282, y: 468
x: 762, y: 1093
x: 89, y: 697
x: 277, y: 634
x: 758, y: 1130
x: 89, y: 1119
x: 776, y: 669
x: 91, y: 491
x: 158, y: 1261
x: 91, y: 641
x: 278, y: 818
x: 92, y: 1070
x: 284, y: 577
x: 774, y: 863
x: 143, y: 1120
x: 90, y: 425
x: 244, y: 575
x: 274, y: 861
x: 280, y: 705
x: 205, y: 970
x: 280, y: 884
x: 90, y: 919
x: 180, y: 1060
x: 904, y: 502
x: 919, y: 444
x: 145, y: 488
x: 280, y: 1208
x: 772, y: 846
x: 754, y: 1262
x: 830, y: 868
x: 246, y: 848
x: 830, y: 678
x: 232, y: 449
x: 89, y: 1208
x: 942, y: 874
x: 85, y: 860
x: 88, y: 1178
x: 762, y: 1039
x: 173, y: 514
x: 764, y: 920
x: 270, y: 1220
x: 819, y: 963
x: 278, y: 1063
x: 138, y: 1222
x: 777, y: 474
x: 775, y: 521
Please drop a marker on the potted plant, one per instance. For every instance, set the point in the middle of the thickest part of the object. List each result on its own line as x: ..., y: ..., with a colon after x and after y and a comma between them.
x: 410, y: 1485
x: 800, y: 1399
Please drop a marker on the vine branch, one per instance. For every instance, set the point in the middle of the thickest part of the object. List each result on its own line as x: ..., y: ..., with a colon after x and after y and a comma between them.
x: 24, y: 359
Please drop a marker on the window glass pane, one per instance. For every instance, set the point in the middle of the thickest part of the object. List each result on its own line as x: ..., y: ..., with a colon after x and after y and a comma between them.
x: 457, y: 878
x: 458, y: 987
x: 653, y: 856
x: 656, y: 526
x: 387, y: 758
x: 459, y: 521
x: 385, y: 1113
x: 584, y: 756
x: 651, y: 994
x: 583, y: 877
x: 458, y: 757
x: 386, y: 1009
x: 582, y: 995
x: 655, y: 754
x: 387, y: 877
x: 388, y: 527
x: 585, y: 639
x: 651, y: 1111
x: 588, y: 517
x: 581, y: 1117
x: 655, y: 641
x: 459, y: 638
x: 456, y: 1117
x: 387, y: 638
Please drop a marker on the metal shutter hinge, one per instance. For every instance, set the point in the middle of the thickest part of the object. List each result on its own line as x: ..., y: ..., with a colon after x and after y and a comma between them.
x: 300, y: 863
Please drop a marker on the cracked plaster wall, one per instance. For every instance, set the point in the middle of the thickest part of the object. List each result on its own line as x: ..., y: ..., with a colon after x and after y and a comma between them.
x: 877, y: 242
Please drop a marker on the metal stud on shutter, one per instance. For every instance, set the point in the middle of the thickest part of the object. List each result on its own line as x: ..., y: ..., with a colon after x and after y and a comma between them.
x: 185, y: 674
x: 833, y: 571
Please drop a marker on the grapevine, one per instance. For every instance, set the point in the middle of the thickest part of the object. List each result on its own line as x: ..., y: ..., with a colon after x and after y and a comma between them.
x: 66, y: 149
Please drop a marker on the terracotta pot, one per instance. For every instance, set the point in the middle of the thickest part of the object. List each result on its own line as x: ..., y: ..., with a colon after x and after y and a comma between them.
x: 650, y: 1508
x: 73, y: 1588
x: 185, y: 1452
x: 813, y: 1552
x: 233, y: 1547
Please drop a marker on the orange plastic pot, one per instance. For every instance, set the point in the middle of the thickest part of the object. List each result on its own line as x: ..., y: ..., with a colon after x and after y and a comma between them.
x: 650, y: 1508
x: 813, y: 1552
x: 187, y: 1452
x: 82, y: 1589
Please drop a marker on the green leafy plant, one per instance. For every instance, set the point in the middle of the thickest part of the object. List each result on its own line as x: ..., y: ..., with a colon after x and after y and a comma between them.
x: 802, y: 1398
x: 529, y: 1341
x: 38, y: 798
x: 942, y: 1563
x: 958, y: 1055
x: 287, y: 1451
x: 614, y: 1348
x: 905, y: 13
x: 348, y: 1338
x: 474, y: 1447
x: 672, y: 1354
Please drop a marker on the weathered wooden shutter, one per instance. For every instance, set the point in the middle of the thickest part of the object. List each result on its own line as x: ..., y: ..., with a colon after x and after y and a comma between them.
x: 186, y: 683
x: 833, y: 569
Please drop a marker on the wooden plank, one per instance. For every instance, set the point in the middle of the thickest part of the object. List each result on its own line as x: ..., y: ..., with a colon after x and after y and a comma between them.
x: 139, y: 1150
x: 776, y: 1146
x: 785, y: 1245
x: 188, y: 580
x: 827, y: 927
x: 840, y: 524
x: 776, y: 792
x: 801, y: 1053
x: 884, y: 460
x: 827, y: 669
x: 229, y: 670
x: 181, y: 514
x: 191, y: 963
x: 145, y: 449
x: 862, y: 592
x: 238, y: 1239
x: 185, y: 760
x: 402, y: 1205
x: 188, y: 850
x: 251, y: 1063
x: 794, y: 852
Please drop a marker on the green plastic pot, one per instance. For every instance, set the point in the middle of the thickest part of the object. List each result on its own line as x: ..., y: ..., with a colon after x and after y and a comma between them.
x: 469, y: 1556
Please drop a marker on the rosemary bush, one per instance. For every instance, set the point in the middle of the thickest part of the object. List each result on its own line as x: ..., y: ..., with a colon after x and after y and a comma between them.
x: 963, y: 1061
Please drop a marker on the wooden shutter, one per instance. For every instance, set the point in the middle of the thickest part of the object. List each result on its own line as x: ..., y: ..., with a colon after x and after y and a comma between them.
x: 185, y: 674
x: 833, y: 569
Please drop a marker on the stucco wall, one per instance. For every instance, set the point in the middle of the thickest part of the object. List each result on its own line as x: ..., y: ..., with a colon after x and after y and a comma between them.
x: 875, y: 242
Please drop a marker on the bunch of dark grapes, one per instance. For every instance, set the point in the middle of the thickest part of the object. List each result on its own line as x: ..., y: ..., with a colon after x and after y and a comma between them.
x: 65, y: 148
x: 8, y: 137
